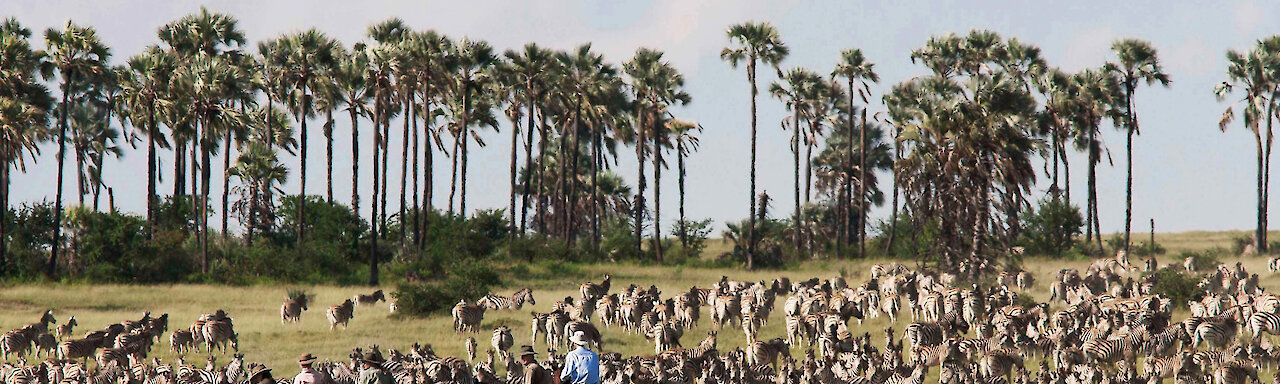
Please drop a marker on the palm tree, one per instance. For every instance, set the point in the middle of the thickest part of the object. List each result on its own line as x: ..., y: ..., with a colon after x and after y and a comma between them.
x: 687, y: 142
x: 1137, y: 63
x: 1252, y: 72
x: 258, y: 170
x: 857, y: 71
x: 1091, y: 98
x: 794, y: 88
x: 144, y: 84
x: 349, y: 76
x: 473, y: 61
x: 92, y: 138
x: 76, y: 54
x: 588, y: 87
x: 389, y: 35
x: 656, y: 86
x: 531, y: 66
x: 308, y: 57
x: 24, y: 107
x: 752, y: 42
x: 432, y: 67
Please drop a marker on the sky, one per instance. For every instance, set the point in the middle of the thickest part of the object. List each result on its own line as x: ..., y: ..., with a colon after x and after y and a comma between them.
x: 1188, y: 175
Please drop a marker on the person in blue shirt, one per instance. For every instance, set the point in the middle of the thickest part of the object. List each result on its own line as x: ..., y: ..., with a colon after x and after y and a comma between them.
x: 581, y: 366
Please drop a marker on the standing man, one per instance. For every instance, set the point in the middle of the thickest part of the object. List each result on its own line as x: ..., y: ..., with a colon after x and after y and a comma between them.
x: 534, y: 373
x: 371, y: 370
x: 581, y: 366
x: 307, y: 376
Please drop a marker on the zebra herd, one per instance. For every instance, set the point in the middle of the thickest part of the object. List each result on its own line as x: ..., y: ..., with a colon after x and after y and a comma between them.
x: 340, y: 314
x: 1103, y: 324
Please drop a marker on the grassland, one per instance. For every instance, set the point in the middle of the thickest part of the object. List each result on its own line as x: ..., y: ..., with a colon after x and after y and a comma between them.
x: 263, y: 338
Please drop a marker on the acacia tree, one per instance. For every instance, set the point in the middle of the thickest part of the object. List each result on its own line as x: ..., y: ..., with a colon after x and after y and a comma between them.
x: 753, y: 42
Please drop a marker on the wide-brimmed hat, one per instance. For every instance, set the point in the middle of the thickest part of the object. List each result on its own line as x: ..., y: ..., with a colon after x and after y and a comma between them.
x: 253, y: 376
x: 527, y: 350
x: 306, y: 358
x: 578, y: 338
x: 372, y: 358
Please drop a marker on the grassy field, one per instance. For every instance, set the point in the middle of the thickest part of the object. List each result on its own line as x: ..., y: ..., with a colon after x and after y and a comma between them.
x: 263, y: 338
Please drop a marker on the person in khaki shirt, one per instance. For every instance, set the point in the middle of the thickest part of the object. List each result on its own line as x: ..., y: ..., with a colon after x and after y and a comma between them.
x: 533, y: 372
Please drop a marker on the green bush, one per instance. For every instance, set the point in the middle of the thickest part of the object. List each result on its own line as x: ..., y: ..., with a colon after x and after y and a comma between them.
x: 909, y: 242
x: 1203, y: 260
x: 1175, y: 284
x: 696, y: 233
x: 1052, y: 228
x: 464, y: 281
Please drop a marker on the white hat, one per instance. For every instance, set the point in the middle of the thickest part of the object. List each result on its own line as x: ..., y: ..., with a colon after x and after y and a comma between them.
x: 578, y: 338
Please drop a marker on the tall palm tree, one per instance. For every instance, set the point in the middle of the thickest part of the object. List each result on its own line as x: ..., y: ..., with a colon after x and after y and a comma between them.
x: 687, y: 142
x: 259, y: 170
x: 24, y: 111
x: 1252, y: 72
x: 1092, y: 97
x: 794, y: 88
x: 1137, y: 63
x: 587, y: 82
x: 531, y: 66
x: 145, y: 83
x: 473, y: 61
x: 379, y: 78
x: 76, y: 54
x: 656, y: 86
x: 349, y: 77
x: 308, y: 58
x: 857, y: 71
x: 753, y: 42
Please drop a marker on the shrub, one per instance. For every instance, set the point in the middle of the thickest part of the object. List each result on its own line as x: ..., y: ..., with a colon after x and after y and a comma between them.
x: 695, y: 233
x: 909, y: 242
x: 1052, y: 228
x: 1201, y: 261
x: 1177, y: 285
x: 465, y: 281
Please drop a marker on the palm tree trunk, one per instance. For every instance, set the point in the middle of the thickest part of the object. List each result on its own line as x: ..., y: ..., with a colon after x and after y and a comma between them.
x: 179, y: 168
x: 302, y: 168
x: 429, y: 174
x: 328, y: 156
x: 893, y: 217
x: 385, y: 140
x: 373, y: 214
x: 657, y: 191
x: 862, y: 188
x: 542, y: 189
x: 417, y: 174
x: 571, y: 202
x: 226, y: 180
x: 684, y: 229
x: 51, y: 265
x: 795, y: 155
x: 206, y: 174
x: 466, y: 120
x: 751, y: 215
x: 151, y: 172
x: 597, y: 161
x: 355, y: 163
x: 640, y: 182
x: 453, y: 178
x: 515, y: 140
x: 1128, y: 183
x: 404, y: 165
x: 528, y: 171
x: 4, y: 216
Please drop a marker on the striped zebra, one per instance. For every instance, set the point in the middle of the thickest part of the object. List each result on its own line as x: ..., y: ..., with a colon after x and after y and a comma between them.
x: 46, y: 344
x: 1110, y: 351
x: 14, y: 343
x: 502, y: 341
x: 340, y: 314
x: 1161, y: 368
x: 795, y: 329
x: 592, y: 291
x: 219, y: 334
x: 766, y: 352
x: 291, y: 310
x: 1216, y: 332
x: 64, y: 330
x: 932, y: 333
x: 182, y: 340
x: 751, y: 326
x: 1236, y: 374
x: 916, y: 377
x: 370, y: 299
x: 1000, y: 363
x: 554, y: 328
x: 1264, y: 322
x: 470, y: 345
x: 536, y: 321
x: 589, y: 330
x: 467, y: 317
x: 78, y: 349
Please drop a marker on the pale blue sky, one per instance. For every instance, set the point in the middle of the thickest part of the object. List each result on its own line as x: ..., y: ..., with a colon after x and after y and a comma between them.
x: 1188, y: 174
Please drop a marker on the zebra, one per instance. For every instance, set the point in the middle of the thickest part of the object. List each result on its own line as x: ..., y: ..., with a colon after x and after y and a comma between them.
x: 536, y: 321
x: 1261, y: 322
x: 751, y: 326
x: 593, y: 291
x: 64, y: 330
x: 14, y: 343
x: 589, y: 330
x: 46, y: 344
x: 470, y: 345
x: 1160, y: 368
x: 516, y: 301
x: 78, y: 349
x: 467, y: 317
x: 502, y: 341
x: 1110, y: 351
x: 767, y: 352
x: 1217, y: 332
x: 340, y: 314
x: 370, y: 299
x: 218, y: 334
x: 181, y: 341
x: 554, y: 328
x: 1235, y: 374
x: 999, y: 363
x: 291, y: 310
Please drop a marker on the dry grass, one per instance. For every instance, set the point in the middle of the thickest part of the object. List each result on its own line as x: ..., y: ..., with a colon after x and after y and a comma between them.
x: 263, y: 338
